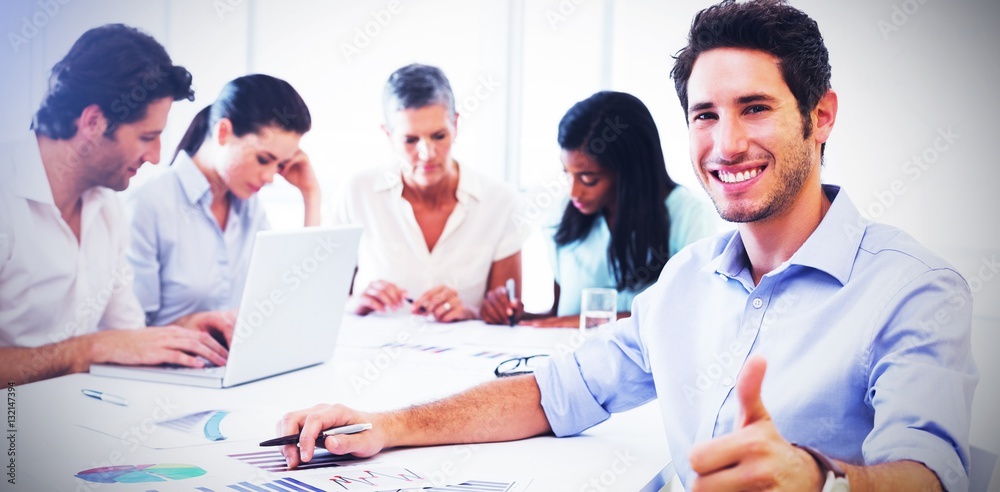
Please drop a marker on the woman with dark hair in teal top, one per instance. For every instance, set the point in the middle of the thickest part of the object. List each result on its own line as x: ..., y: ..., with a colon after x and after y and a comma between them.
x: 624, y: 217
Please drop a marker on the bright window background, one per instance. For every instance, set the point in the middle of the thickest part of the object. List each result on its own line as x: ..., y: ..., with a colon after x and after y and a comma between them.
x: 904, y: 77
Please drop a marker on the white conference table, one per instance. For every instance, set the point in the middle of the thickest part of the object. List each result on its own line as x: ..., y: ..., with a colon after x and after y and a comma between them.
x: 55, y: 439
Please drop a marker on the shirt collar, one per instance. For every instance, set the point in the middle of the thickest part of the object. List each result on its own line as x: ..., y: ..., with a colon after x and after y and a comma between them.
x: 32, y: 183
x: 831, y: 248
x: 30, y: 179
x: 470, y: 187
x: 193, y: 182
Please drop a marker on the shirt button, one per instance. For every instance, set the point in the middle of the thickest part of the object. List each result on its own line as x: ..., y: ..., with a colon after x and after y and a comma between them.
x: 727, y: 382
x: 757, y: 303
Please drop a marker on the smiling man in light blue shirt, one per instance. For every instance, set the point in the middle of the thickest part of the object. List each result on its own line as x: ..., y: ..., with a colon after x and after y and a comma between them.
x: 867, y: 333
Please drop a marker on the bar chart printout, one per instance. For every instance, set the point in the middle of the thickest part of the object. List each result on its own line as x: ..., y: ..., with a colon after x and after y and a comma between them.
x: 324, y: 472
x: 289, y: 484
x: 272, y: 461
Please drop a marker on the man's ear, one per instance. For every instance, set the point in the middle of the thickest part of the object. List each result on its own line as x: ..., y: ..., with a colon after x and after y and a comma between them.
x: 92, y: 123
x: 824, y: 116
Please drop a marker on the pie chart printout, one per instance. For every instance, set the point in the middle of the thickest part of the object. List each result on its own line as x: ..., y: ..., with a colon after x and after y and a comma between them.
x: 140, y: 473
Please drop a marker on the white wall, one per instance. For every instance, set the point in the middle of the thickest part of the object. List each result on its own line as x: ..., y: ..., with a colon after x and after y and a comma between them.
x: 903, y: 78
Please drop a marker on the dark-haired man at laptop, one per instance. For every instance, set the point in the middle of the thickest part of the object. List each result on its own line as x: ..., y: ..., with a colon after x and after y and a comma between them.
x: 66, y: 298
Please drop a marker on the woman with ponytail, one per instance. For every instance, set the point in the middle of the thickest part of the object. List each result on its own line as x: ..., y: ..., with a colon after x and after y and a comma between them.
x: 193, y: 226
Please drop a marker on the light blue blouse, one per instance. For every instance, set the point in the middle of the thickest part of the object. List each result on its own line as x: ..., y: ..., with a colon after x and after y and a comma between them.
x: 584, y: 263
x: 184, y: 262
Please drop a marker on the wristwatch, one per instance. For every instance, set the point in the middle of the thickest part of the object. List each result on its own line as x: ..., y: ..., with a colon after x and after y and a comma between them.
x: 836, y: 479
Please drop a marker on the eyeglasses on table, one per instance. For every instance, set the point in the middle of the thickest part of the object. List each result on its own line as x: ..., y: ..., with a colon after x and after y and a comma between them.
x: 518, y: 365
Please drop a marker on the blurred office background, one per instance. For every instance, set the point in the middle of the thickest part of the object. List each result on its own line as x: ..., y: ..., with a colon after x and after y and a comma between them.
x: 914, y: 143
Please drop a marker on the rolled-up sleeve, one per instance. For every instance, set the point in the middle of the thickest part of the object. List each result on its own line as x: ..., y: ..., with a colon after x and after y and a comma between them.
x: 609, y: 373
x: 922, y: 378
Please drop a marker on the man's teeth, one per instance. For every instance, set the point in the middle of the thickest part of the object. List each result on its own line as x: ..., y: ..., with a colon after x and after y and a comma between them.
x: 728, y: 177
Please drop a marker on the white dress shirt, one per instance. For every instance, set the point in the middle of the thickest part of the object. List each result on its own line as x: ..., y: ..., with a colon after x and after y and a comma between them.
x: 480, y: 231
x: 53, y: 287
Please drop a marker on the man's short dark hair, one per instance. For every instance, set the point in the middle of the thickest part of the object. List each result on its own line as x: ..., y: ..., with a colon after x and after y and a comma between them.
x: 116, y: 67
x: 765, y: 25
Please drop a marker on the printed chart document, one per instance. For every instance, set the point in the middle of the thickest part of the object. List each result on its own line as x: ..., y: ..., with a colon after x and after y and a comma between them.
x: 191, y: 429
x: 328, y: 472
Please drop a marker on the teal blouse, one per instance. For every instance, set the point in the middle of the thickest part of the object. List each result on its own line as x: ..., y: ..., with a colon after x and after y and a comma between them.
x: 584, y: 263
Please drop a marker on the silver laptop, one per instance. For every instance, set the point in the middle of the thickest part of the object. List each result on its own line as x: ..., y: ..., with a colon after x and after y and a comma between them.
x: 296, y: 289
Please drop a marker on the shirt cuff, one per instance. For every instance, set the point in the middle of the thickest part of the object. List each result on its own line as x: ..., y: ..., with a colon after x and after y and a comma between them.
x: 932, y: 452
x: 568, y: 404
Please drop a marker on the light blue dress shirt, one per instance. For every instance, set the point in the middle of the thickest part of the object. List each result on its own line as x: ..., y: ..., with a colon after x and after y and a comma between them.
x: 184, y: 262
x: 584, y: 263
x: 866, y: 334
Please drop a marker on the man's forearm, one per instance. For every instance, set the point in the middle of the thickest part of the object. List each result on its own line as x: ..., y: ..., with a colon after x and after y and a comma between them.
x: 25, y: 365
x: 503, y: 410
x: 898, y: 475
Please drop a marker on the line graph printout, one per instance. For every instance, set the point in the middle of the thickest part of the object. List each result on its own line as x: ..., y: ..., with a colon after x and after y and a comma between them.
x: 370, y: 478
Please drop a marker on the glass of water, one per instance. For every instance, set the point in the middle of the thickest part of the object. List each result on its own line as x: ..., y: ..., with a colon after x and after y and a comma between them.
x: 597, y: 307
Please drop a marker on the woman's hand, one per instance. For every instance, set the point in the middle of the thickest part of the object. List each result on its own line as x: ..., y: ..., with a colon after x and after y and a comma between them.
x: 497, y: 308
x: 380, y: 296
x: 299, y: 172
x: 443, y: 303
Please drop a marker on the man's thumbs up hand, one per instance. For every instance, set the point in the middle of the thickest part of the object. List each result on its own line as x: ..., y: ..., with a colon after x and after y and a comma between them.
x: 748, y: 390
x: 754, y: 456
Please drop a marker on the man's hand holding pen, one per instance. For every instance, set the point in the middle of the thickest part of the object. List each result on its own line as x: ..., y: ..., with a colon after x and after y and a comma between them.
x: 367, y: 436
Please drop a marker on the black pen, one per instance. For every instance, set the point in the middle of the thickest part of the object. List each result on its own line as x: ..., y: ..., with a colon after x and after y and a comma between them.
x: 294, y: 438
x: 512, y: 297
x: 411, y: 301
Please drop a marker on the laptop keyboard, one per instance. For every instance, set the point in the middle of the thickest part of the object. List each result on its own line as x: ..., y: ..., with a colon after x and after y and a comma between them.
x: 210, y: 369
x: 200, y: 371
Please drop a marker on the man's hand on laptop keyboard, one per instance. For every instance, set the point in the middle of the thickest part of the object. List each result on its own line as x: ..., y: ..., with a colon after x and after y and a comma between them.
x: 152, y: 346
x: 218, y: 324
